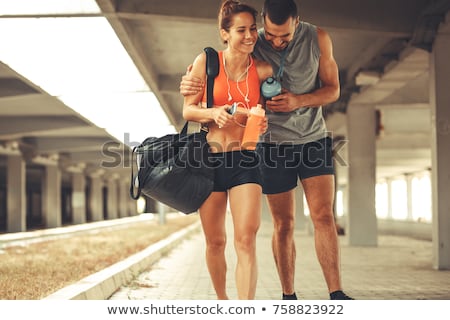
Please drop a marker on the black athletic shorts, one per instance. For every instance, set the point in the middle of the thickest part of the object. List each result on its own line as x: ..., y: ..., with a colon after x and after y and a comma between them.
x: 282, y: 164
x: 235, y: 168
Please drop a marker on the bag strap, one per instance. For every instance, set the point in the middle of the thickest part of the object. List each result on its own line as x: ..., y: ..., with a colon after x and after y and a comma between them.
x: 212, y: 70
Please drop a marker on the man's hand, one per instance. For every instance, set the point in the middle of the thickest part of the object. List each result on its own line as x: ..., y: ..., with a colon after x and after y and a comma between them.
x: 284, y: 102
x: 190, y: 85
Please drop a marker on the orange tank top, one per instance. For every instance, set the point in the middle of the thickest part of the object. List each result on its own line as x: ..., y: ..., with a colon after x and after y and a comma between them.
x: 237, y: 90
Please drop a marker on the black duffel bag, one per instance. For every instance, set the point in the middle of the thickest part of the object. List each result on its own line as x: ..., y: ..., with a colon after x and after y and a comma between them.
x: 175, y: 169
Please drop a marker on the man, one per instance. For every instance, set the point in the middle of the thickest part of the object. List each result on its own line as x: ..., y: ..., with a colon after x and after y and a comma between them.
x: 297, y: 145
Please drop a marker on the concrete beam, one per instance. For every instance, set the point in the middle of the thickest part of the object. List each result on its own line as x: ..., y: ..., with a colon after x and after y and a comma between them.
x: 27, y: 126
x: 64, y: 144
x: 411, y: 64
x: 383, y: 16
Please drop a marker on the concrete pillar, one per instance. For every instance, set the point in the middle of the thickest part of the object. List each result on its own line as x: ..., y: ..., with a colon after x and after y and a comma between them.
x: 151, y: 206
x: 131, y: 206
x: 51, y: 192
x: 362, y: 221
x: 123, y: 198
x: 96, y: 198
x: 440, y: 146
x: 112, y: 201
x: 389, y: 198
x: 16, y: 193
x: 78, y: 198
x: 162, y: 208
x: 345, y: 200
x: 409, y: 197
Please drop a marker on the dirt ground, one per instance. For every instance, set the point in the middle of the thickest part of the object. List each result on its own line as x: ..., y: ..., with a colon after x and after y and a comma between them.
x: 34, y: 271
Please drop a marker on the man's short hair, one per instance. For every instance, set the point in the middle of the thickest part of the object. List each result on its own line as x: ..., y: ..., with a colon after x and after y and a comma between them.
x: 279, y: 11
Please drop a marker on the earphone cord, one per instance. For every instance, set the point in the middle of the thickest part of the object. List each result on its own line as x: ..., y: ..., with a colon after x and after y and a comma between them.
x: 246, y: 84
x: 237, y: 81
x: 234, y: 119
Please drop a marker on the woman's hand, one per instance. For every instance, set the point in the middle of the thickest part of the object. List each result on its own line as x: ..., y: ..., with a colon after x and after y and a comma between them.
x: 221, y: 116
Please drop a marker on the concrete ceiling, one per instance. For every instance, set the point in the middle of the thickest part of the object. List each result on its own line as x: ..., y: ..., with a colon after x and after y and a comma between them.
x: 45, y: 131
x: 381, y: 47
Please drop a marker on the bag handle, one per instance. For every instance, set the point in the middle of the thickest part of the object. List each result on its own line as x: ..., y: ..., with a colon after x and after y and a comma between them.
x: 134, y: 178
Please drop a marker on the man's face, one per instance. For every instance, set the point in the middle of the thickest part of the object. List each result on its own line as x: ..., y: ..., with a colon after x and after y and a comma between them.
x: 279, y: 36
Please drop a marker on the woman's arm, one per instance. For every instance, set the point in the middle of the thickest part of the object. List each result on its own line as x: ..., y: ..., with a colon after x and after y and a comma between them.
x: 192, y: 108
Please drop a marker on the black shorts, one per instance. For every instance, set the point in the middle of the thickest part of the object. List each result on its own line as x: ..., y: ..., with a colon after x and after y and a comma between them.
x: 235, y: 168
x: 282, y: 164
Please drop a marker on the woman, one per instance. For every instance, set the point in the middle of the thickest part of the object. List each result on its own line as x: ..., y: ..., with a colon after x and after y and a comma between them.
x: 236, y: 172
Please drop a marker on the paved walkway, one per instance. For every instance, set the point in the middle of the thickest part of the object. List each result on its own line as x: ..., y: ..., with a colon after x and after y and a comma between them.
x: 399, y: 268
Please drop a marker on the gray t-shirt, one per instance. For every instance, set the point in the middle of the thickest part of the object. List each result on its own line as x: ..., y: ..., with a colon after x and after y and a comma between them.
x: 300, y: 76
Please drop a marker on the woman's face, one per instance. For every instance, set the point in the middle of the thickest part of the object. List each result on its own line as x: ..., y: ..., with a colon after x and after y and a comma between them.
x: 243, y: 33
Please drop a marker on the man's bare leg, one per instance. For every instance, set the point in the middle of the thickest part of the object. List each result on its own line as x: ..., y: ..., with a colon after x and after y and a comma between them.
x: 282, y: 207
x: 319, y: 193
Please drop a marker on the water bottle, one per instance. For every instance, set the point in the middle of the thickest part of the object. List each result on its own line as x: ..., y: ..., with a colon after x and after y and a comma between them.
x: 252, y: 128
x: 270, y: 88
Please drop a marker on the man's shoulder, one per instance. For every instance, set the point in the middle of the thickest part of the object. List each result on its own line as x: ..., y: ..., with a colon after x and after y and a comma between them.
x: 307, y: 27
x: 308, y: 24
x: 314, y: 28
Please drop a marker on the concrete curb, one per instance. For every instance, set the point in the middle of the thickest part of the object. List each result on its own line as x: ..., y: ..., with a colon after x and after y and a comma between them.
x: 101, y: 285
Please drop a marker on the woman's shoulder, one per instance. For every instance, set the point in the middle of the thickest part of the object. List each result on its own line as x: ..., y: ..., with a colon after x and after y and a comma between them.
x: 200, y: 58
x: 199, y: 65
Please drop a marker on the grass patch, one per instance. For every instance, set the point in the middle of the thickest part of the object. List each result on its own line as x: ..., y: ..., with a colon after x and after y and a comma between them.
x: 34, y: 271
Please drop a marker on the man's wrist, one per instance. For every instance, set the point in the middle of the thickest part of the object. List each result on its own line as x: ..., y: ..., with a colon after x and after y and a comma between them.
x: 298, y: 102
